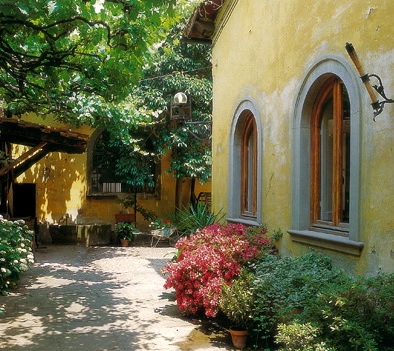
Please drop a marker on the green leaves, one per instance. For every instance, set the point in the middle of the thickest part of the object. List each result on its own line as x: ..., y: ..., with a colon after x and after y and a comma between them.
x: 237, y: 301
x: 83, y: 61
x: 175, y: 66
x: 15, y: 252
x: 189, y: 220
x: 104, y: 42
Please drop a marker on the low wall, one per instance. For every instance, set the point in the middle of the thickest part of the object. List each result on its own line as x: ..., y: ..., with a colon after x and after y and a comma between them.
x: 85, y: 234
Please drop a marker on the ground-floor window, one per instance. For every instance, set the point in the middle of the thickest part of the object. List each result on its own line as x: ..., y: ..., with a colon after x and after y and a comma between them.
x: 326, y: 158
x: 330, y: 156
x: 245, y: 172
x: 248, y: 159
x: 113, y: 169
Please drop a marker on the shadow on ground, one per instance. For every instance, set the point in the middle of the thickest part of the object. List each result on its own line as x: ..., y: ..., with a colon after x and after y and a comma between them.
x: 100, y: 299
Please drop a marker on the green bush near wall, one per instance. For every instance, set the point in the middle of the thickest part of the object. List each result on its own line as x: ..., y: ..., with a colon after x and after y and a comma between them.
x: 15, y: 252
x: 304, y: 303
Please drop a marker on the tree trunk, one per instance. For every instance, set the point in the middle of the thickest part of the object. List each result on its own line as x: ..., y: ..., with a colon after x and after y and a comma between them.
x: 193, y: 198
x: 178, y: 194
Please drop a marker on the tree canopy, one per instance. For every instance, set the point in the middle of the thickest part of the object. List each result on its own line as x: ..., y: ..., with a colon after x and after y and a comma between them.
x: 176, y: 66
x: 77, y: 59
x: 112, y: 64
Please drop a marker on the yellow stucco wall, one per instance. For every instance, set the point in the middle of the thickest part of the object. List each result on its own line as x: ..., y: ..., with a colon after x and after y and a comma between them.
x: 60, y: 179
x: 61, y: 187
x: 263, y: 52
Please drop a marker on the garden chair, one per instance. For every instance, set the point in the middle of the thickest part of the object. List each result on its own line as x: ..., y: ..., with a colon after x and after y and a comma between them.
x: 162, y: 235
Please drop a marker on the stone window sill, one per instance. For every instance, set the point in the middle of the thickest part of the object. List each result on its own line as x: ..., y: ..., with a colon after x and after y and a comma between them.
x: 247, y: 222
x: 327, y: 241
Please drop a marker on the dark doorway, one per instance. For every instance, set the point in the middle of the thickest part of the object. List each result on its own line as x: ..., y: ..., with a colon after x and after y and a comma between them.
x: 24, y: 200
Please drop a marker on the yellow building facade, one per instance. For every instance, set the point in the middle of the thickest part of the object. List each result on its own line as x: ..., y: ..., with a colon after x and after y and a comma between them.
x: 61, y: 182
x: 295, y: 144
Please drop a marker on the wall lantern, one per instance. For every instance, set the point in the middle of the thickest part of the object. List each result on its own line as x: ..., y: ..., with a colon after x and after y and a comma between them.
x: 376, y: 104
x: 180, y: 107
x: 180, y: 98
x: 181, y: 112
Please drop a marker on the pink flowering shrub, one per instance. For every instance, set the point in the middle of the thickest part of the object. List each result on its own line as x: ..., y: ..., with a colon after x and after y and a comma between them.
x: 210, y: 258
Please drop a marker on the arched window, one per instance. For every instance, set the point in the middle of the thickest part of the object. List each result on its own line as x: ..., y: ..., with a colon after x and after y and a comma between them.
x: 326, y: 158
x: 245, y: 166
x: 330, y: 156
x: 249, y: 168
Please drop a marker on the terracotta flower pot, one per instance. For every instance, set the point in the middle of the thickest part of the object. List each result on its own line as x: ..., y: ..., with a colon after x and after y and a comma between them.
x: 124, y: 242
x: 239, y: 338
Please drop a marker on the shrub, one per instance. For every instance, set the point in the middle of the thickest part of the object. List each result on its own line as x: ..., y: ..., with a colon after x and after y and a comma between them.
x: 299, y: 337
x: 209, y: 259
x: 379, y: 292
x: 15, y: 252
x: 124, y: 230
x: 306, y: 298
x: 286, y: 287
x: 237, y: 301
x: 358, y: 314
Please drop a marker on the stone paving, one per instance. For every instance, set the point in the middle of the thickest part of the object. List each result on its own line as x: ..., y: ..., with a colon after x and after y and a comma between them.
x: 100, y: 298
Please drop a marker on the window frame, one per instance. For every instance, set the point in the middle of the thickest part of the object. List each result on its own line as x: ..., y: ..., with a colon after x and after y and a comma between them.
x: 90, y: 155
x: 301, y: 230
x: 333, y: 86
x: 249, y: 168
x: 245, y: 109
x: 93, y: 153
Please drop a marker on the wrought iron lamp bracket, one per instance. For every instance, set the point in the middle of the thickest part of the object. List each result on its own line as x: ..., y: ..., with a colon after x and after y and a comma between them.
x: 379, y: 88
x: 365, y: 77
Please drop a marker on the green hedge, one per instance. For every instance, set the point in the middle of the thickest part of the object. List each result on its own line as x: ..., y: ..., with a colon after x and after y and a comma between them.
x: 303, y: 303
x: 15, y: 252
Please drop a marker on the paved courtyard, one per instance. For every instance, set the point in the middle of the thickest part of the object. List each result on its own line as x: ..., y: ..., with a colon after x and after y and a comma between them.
x: 100, y: 298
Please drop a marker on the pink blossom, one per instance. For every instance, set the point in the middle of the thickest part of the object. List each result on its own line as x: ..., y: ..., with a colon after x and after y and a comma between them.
x: 210, y: 258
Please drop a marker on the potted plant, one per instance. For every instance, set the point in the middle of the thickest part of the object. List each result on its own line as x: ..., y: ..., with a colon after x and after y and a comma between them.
x: 124, y: 232
x: 237, y: 304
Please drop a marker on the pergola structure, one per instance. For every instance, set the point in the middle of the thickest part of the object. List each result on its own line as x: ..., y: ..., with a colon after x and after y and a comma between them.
x: 41, y: 139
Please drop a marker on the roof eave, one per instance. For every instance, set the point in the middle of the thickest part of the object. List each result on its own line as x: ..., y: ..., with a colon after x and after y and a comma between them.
x: 201, y: 25
x: 30, y: 134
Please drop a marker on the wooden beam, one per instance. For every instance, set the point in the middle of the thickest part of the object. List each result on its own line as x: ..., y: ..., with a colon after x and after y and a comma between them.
x: 30, y: 134
x: 22, y: 168
x: 22, y: 158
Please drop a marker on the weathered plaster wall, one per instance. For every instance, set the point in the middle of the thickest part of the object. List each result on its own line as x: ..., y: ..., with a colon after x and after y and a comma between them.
x: 263, y: 52
x: 61, y: 186
x: 60, y: 180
